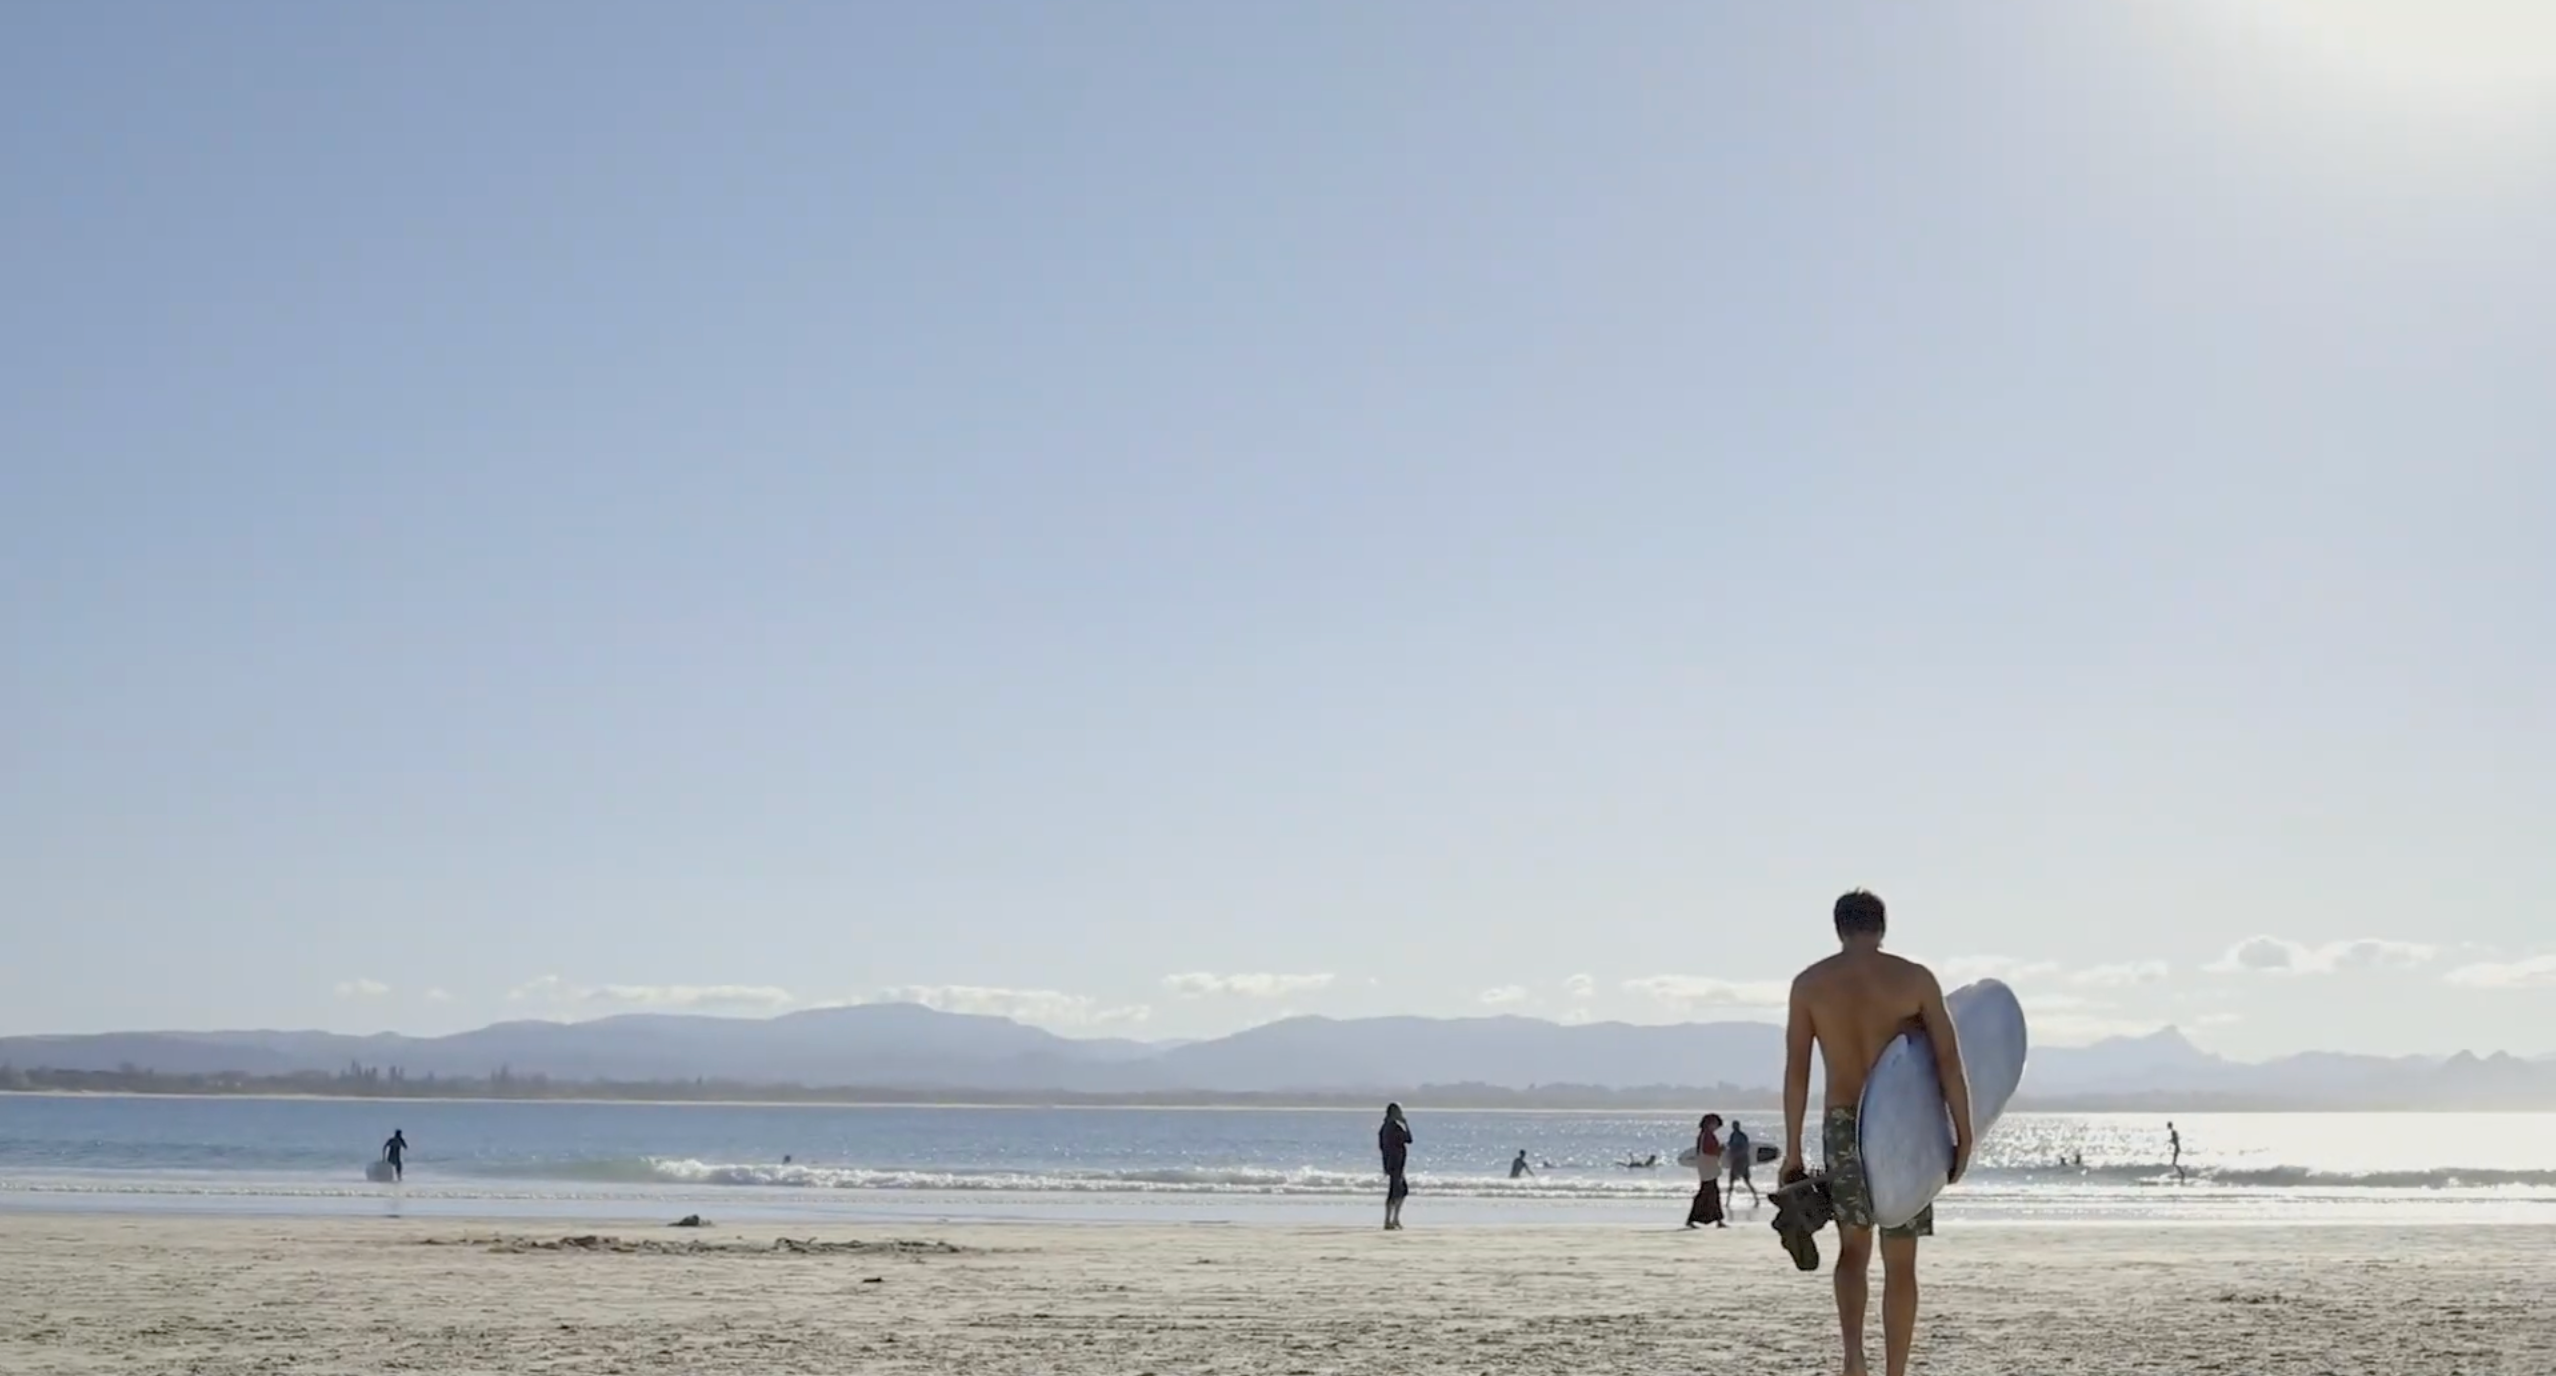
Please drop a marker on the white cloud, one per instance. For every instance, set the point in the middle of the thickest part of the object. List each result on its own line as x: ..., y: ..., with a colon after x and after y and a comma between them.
x: 362, y: 989
x: 1576, y: 1016
x: 551, y: 989
x: 1689, y: 992
x: 2259, y: 953
x: 1200, y: 984
x: 2272, y: 955
x: 691, y: 995
x: 2536, y: 972
x: 2119, y: 976
x: 1580, y: 986
x: 543, y: 988
x: 1048, y: 1007
x: 1504, y: 995
x: 2372, y: 954
x: 1961, y: 970
x: 2077, y: 1029
x: 2218, y: 1019
x: 438, y: 996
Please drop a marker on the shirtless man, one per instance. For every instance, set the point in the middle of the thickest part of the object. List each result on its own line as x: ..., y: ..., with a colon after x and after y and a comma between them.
x: 1853, y: 1005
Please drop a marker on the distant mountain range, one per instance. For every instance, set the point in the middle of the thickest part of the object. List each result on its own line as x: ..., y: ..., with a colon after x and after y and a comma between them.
x: 918, y: 1051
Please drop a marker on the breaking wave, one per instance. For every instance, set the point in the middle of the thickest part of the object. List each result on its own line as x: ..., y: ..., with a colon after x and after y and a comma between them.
x: 1247, y: 1180
x: 1254, y: 1180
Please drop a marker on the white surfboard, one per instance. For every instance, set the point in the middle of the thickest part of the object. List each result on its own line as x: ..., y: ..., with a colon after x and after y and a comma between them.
x: 380, y: 1172
x: 1763, y: 1156
x: 1906, y: 1134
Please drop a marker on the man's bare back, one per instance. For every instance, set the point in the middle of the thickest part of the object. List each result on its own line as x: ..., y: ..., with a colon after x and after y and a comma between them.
x: 1859, y: 1002
x: 1849, y: 1007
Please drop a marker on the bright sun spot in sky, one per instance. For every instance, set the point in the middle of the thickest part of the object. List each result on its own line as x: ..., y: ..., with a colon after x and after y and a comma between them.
x: 2471, y: 52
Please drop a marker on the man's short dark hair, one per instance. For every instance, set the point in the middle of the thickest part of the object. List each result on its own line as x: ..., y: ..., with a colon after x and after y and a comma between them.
x: 1861, y: 914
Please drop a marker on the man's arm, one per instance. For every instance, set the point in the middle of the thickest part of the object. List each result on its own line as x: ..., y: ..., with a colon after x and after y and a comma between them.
x: 1797, y: 1059
x: 1947, y: 1044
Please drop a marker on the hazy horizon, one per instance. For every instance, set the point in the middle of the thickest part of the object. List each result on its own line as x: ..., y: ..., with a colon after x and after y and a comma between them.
x: 1151, y: 518
x: 1136, y: 1032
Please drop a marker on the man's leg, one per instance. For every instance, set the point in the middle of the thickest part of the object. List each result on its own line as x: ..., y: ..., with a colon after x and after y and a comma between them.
x: 1899, y: 1302
x: 1854, y: 1263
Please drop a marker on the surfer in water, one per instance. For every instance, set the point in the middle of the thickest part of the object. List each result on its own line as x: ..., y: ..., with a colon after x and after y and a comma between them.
x: 2174, y: 1145
x: 1393, y: 1139
x: 392, y: 1151
x: 1519, y: 1167
x: 1851, y: 1007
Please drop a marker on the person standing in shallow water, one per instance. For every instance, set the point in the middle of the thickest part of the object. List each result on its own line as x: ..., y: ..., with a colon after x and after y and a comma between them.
x: 1393, y: 1141
x: 393, y: 1150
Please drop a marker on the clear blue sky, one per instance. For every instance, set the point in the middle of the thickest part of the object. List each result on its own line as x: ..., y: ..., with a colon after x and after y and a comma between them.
x: 686, y: 505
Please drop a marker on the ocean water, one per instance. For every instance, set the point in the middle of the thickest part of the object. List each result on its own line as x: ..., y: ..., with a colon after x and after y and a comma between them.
x: 482, y: 1159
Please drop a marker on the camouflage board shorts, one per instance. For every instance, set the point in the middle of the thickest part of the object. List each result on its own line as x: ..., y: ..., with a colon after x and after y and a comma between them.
x: 1841, y: 1148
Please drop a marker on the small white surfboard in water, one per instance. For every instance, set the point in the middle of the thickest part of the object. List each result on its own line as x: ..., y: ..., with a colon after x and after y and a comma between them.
x: 380, y: 1172
x: 1906, y: 1135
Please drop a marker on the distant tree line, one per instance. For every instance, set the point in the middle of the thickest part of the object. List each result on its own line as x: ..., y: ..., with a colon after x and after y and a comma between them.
x: 360, y: 1081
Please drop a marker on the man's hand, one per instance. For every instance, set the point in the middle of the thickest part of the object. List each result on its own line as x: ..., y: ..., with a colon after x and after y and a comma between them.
x: 1791, y: 1170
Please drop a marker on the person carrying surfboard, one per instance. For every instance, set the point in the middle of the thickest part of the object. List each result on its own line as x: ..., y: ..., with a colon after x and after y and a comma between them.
x: 1851, y: 1007
x: 1735, y: 1159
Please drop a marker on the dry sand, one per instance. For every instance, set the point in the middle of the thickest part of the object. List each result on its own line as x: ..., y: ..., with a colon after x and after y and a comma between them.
x: 109, y: 1293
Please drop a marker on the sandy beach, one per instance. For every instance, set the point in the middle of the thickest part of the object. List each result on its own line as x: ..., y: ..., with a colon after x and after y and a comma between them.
x: 132, y: 1293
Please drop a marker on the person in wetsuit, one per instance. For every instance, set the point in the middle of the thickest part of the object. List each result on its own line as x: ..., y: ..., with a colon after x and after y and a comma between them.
x: 1519, y: 1167
x: 392, y: 1151
x: 1393, y: 1140
x: 1736, y: 1159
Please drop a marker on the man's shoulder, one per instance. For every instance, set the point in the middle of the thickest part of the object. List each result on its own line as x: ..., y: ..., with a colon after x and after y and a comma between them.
x: 1909, y: 969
